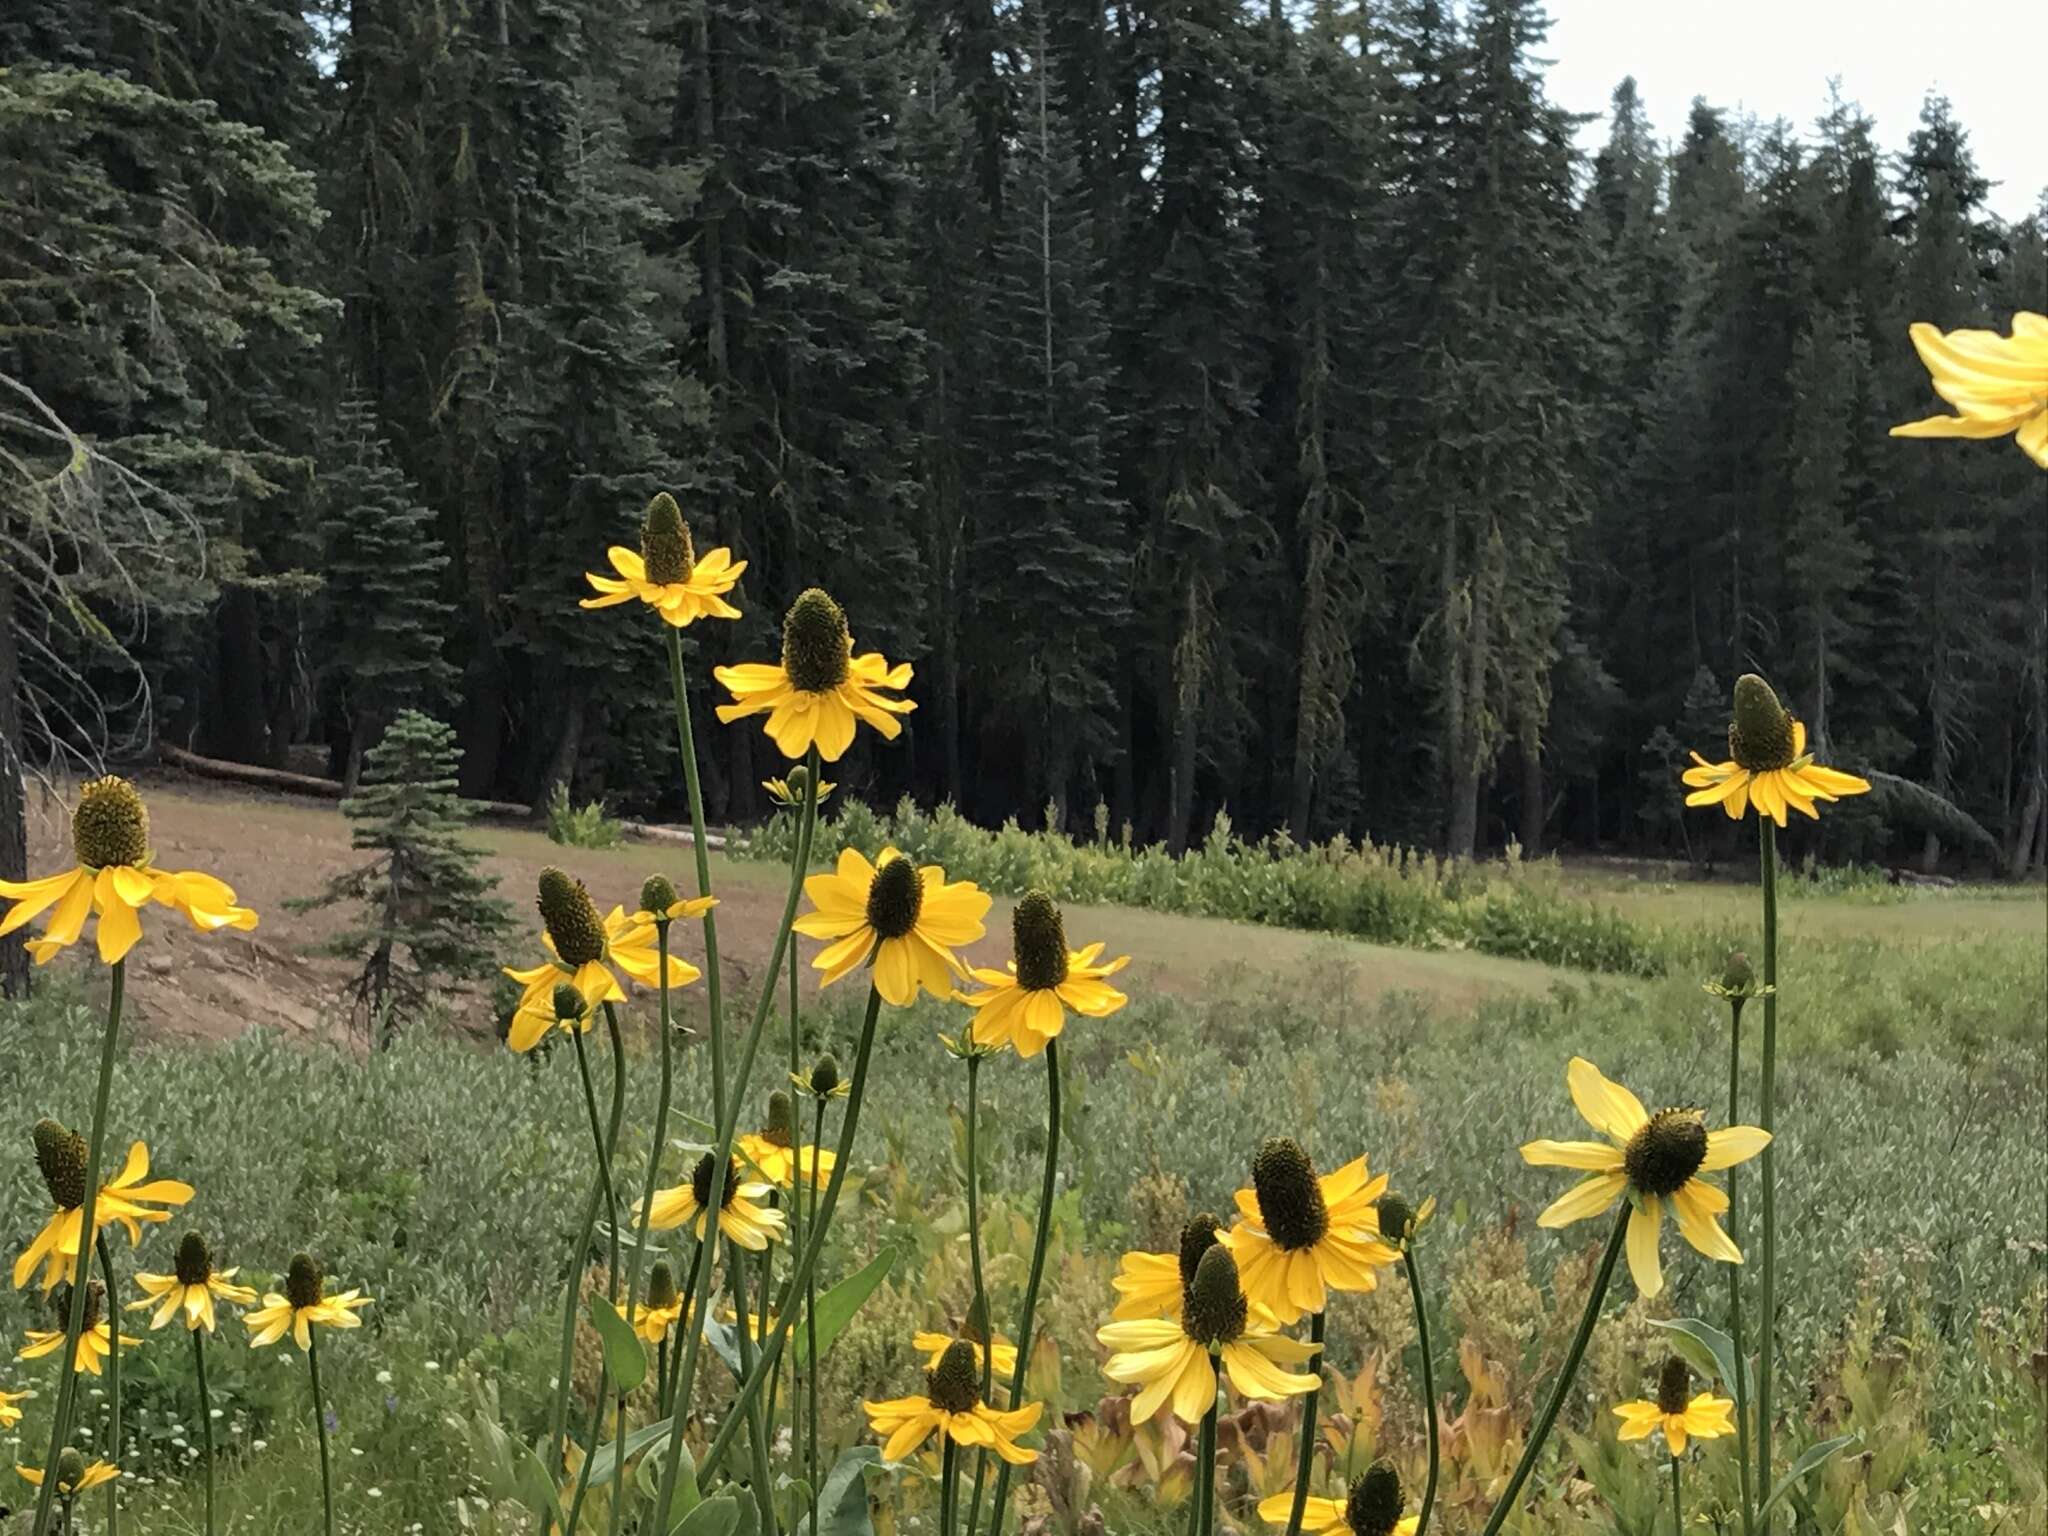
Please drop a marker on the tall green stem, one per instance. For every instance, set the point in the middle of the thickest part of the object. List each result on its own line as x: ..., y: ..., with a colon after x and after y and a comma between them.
x: 727, y: 1120
x: 948, y: 1456
x: 583, y: 1472
x: 74, y: 1324
x: 757, y: 1429
x: 205, y: 1423
x: 811, y: 1336
x: 320, y: 1419
x: 565, y: 1365
x: 686, y: 745
x: 798, y: 1178
x: 978, y: 1308
x: 1046, y: 1189
x: 1205, y: 1469
x: 1305, y: 1461
x: 115, y: 1431
x: 1767, y: 1323
x: 1740, y: 1385
x: 1677, y: 1503
x: 604, y: 1164
x: 1540, y: 1432
x: 1428, y: 1387
x: 849, y: 1129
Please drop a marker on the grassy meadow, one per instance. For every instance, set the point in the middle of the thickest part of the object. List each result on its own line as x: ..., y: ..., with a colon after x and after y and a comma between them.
x: 443, y: 1176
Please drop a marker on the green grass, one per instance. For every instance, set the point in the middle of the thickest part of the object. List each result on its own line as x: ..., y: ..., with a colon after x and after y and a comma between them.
x: 444, y: 1177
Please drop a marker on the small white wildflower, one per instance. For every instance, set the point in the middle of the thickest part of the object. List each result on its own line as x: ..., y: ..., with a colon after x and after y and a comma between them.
x: 383, y: 1378
x: 433, y: 1365
x: 259, y: 1445
x: 376, y: 1493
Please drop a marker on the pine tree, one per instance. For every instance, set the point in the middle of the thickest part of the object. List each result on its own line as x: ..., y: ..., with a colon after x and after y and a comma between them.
x: 427, y: 916
x: 382, y: 624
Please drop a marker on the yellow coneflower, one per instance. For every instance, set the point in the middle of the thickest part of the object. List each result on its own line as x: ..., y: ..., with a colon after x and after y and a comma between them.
x: 820, y: 691
x: 1002, y: 1354
x: 583, y: 949
x: 1168, y: 1359
x: 1652, y: 1160
x: 776, y: 1154
x: 742, y: 1216
x: 663, y: 1307
x: 952, y: 1407
x: 1153, y: 1284
x: 96, y: 1340
x: 10, y: 1407
x: 126, y: 1198
x: 114, y: 878
x: 1026, y: 1005
x: 661, y: 903
x: 788, y: 793
x: 191, y: 1288
x: 823, y: 1080
x: 1371, y: 1507
x: 665, y: 572
x: 1682, y: 1419
x: 904, y: 920
x: 1999, y: 384
x: 303, y: 1305
x: 1768, y: 762
x: 1301, y: 1236
x: 74, y: 1473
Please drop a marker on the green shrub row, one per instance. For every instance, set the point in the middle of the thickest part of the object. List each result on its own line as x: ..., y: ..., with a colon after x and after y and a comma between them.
x: 1387, y: 895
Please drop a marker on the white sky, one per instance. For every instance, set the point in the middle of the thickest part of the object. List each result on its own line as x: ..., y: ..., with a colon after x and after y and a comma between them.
x: 1774, y: 58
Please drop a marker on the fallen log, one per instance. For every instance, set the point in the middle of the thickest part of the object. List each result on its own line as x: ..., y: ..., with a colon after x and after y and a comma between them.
x: 298, y: 783
x: 649, y: 832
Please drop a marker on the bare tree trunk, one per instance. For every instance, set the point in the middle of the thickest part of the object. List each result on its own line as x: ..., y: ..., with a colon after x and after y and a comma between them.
x: 1533, y: 807
x: 1477, y: 661
x: 568, y: 748
x: 14, y: 964
x: 1454, y: 621
x: 1187, y: 703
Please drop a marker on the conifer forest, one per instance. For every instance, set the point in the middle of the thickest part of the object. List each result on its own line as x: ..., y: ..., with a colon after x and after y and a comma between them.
x: 1261, y: 409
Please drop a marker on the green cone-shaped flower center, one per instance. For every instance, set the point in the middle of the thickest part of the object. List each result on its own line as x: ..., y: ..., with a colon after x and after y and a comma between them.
x: 1213, y: 1309
x: 700, y: 1182
x: 95, y: 1303
x: 816, y: 644
x: 657, y: 894
x: 1374, y: 1505
x: 1737, y: 974
x: 302, y: 1281
x: 1039, y: 942
x: 1396, y: 1217
x: 780, y: 1129
x: 70, y: 1467
x: 1290, y: 1198
x: 895, y: 899
x: 60, y: 1154
x: 1674, y: 1386
x: 571, y: 918
x: 1196, y: 1239
x: 110, y: 826
x: 194, y: 1265
x: 1666, y: 1152
x: 568, y: 1003
x: 825, y: 1075
x: 661, y: 1286
x: 1760, y: 734
x: 954, y: 1384
x: 665, y: 542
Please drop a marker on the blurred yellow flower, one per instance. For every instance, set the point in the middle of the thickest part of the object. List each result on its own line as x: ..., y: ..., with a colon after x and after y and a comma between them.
x: 126, y: 1198
x: 665, y: 572
x: 1302, y: 1236
x: 1998, y: 384
x: 191, y: 1288
x: 1682, y: 1419
x: 819, y: 692
x: 1769, y: 763
x: 582, y: 950
x: 952, y: 1407
x: 741, y: 1215
x: 907, y: 921
x: 1026, y: 1006
x: 303, y: 1305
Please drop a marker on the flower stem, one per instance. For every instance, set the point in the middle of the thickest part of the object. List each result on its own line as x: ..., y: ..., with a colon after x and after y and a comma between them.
x: 811, y: 1335
x: 978, y: 1308
x: 1428, y: 1387
x: 687, y: 748
x: 604, y: 1163
x: 589, y: 1456
x: 74, y: 1324
x: 579, y: 1260
x: 113, y: 1375
x: 661, y: 1377
x: 849, y: 1129
x: 320, y: 1420
x: 757, y: 1430
x: 1677, y: 1505
x: 205, y: 1421
x: 1205, y: 1467
x: 1304, y: 1463
x: 1045, y: 1196
x: 948, y: 1453
x: 1740, y: 1385
x: 726, y: 1121
x: 1540, y: 1432
x: 796, y: 1194
x: 1767, y: 1328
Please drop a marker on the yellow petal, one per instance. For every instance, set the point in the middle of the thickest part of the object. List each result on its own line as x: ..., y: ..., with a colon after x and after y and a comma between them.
x: 1608, y: 1107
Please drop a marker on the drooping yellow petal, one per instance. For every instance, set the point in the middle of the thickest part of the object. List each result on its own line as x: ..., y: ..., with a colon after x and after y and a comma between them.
x: 1643, y: 1262
x: 1607, y: 1106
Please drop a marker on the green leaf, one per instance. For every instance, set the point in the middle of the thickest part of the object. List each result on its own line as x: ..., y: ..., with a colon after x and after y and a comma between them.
x: 843, y: 1501
x: 536, y: 1489
x: 686, y: 1496
x: 604, y: 1464
x: 1813, y: 1457
x: 1702, y: 1346
x: 718, y: 1516
x: 837, y: 1306
x: 725, y: 1344
x: 624, y: 1355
